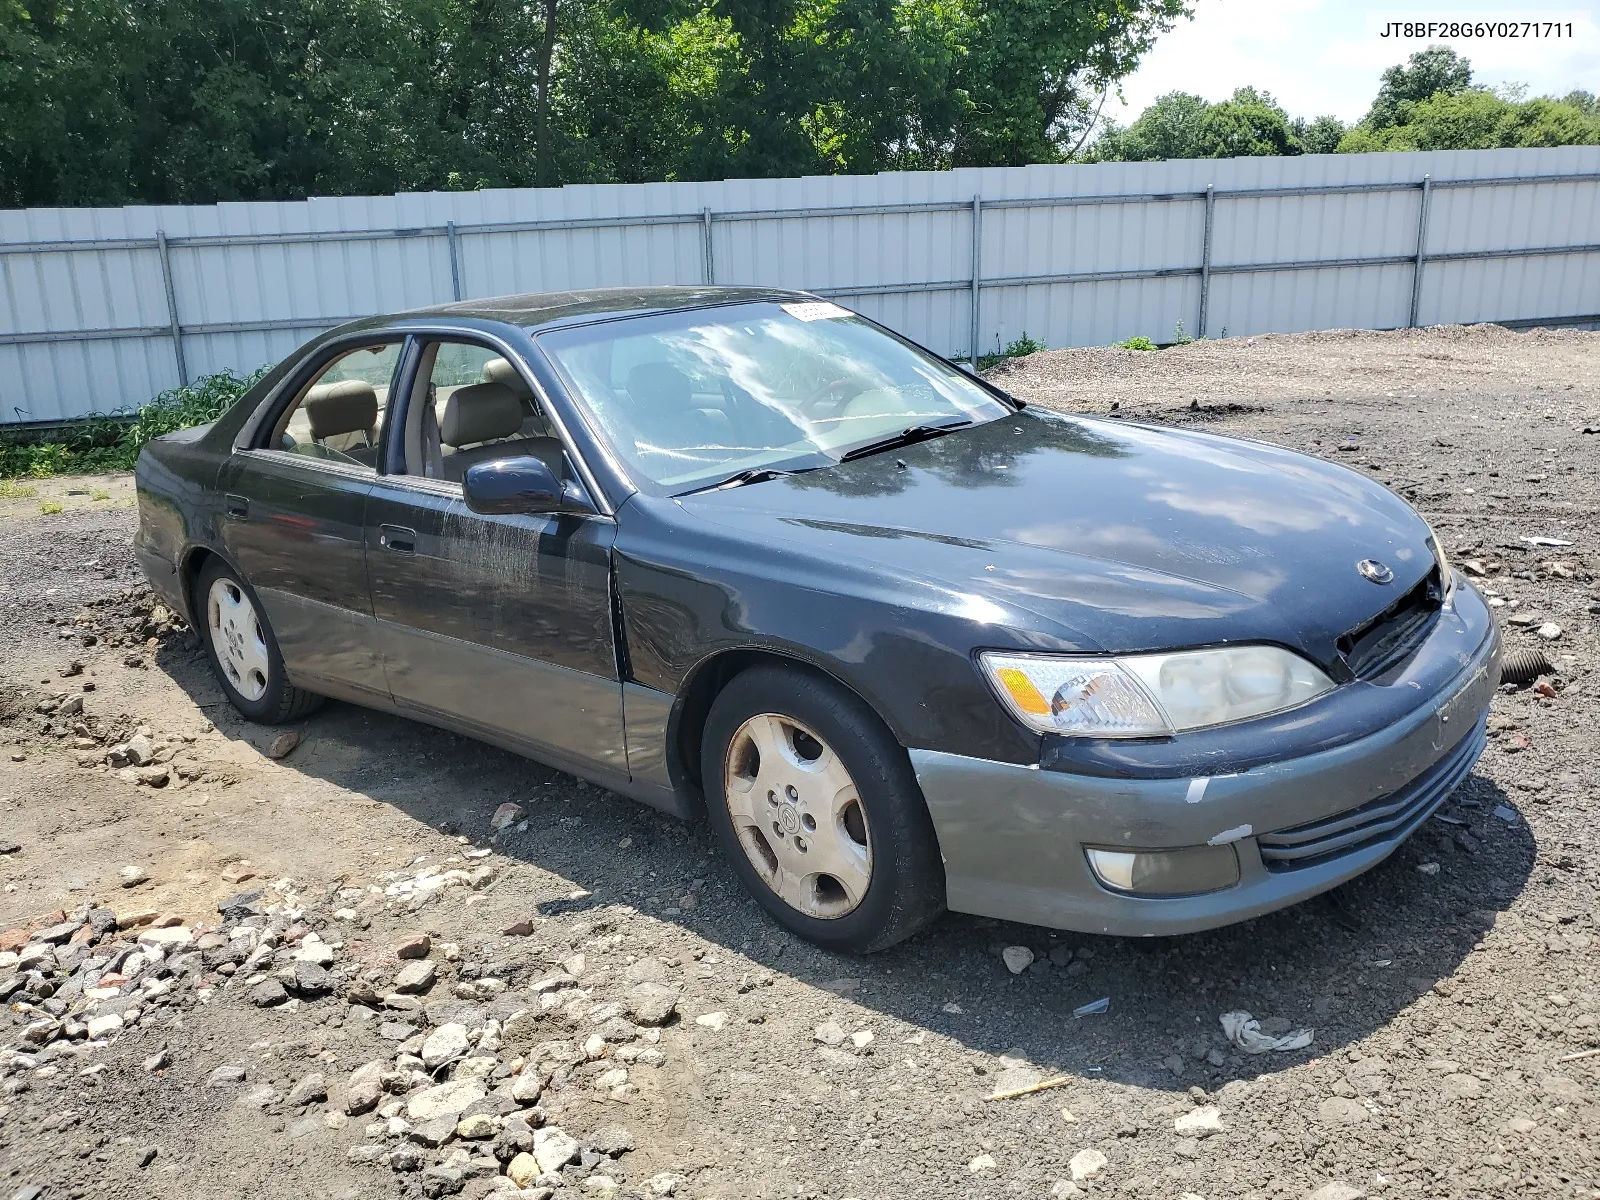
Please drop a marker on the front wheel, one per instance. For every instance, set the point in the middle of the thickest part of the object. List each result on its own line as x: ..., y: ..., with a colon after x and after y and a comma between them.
x: 243, y: 651
x: 815, y: 803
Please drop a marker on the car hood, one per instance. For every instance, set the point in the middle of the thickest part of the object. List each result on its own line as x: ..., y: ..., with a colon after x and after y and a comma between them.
x: 1073, y: 533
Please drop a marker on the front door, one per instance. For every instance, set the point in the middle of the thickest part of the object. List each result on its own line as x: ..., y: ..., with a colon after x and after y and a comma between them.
x: 501, y: 625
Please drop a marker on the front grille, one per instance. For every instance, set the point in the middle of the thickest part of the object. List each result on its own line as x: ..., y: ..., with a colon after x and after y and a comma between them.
x: 1393, y: 635
x: 1388, y: 818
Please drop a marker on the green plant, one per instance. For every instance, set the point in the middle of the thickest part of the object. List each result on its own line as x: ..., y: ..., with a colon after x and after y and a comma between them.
x: 107, y: 443
x: 1136, y: 343
x: 50, y: 507
x: 100, y: 494
x: 15, y: 491
x: 1019, y: 348
x: 1179, y: 336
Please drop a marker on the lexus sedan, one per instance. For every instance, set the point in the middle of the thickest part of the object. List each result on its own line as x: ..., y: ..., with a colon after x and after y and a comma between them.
x: 907, y: 642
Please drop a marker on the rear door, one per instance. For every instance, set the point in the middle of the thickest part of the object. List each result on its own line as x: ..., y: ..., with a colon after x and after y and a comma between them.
x: 294, y: 513
x: 498, y: 624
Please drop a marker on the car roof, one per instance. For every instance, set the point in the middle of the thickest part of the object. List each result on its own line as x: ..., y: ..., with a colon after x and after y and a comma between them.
x: 540, y: 310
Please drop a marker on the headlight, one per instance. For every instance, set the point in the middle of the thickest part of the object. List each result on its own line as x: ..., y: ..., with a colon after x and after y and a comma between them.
x: 1447, y: 575
x: 1151, y: 695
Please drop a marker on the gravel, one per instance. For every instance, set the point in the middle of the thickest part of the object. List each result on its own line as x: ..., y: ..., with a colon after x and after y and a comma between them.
x: 604, y: 1037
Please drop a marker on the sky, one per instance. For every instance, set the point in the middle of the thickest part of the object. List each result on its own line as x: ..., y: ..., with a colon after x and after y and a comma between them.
x: 1325, y: 56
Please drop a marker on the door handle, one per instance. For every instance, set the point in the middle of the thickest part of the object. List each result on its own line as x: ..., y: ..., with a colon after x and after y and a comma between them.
x: 397, y: 538
x: 236, y: 506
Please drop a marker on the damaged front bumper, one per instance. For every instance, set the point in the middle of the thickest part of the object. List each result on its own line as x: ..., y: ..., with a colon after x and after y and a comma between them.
x: 1018, y: 840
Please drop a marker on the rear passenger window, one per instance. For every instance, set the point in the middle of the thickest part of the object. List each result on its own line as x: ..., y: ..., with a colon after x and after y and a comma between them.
x: 477, y: 408
x: 339, y: 414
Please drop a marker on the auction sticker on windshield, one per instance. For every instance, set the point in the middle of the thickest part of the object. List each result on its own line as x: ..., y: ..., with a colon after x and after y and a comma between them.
x: 815, y: 310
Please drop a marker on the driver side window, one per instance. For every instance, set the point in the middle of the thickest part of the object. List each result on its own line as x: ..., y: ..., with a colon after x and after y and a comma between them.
x: 338, y: 415
x: 472, y: 405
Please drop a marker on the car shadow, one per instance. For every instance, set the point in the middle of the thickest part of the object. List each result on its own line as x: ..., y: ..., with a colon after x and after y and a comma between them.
x: 1344, y: 964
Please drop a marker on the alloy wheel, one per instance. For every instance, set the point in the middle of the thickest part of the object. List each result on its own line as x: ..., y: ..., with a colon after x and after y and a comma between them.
x: 798, y: 816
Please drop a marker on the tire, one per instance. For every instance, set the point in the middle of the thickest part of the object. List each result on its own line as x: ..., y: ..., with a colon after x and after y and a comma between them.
x: 827, y: 829
x: 242, y: 649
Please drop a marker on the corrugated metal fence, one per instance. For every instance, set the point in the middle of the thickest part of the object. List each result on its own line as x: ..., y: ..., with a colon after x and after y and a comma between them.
x: 102, y: 308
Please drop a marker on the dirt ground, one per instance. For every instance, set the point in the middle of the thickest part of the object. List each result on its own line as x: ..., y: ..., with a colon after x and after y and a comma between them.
x: 1444, y: 988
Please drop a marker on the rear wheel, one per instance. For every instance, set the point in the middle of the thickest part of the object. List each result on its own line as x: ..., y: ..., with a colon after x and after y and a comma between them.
x: 243, y: 651
x: 816, y: 804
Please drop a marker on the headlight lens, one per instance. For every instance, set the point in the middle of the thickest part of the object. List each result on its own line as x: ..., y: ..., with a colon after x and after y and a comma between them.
x: 1447, y: 575
x: 1151, y: 695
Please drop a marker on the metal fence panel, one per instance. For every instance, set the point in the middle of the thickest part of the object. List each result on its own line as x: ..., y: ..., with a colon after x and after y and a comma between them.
x: 90, y: 299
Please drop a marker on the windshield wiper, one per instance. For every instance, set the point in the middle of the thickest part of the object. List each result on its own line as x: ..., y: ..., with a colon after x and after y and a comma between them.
x: 906, y: 437
x: 752, y: 475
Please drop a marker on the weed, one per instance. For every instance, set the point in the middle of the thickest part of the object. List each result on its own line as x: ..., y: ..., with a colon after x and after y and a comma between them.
x: 1020, y: 348
x: 15, y: 491
x: 100, y: 495
x: 105, y: 443
x: 1136, y: 343
x: 50, y: 507
x: 1180, y: 337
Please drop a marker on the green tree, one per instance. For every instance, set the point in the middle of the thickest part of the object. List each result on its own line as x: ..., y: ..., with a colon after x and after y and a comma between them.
x: 1320, y: 136
x: 1180, y: 125
x: 1424, y: 74
x: 1477, y: 120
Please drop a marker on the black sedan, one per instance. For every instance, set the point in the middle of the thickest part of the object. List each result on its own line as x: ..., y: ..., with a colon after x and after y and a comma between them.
x: 907, y: 643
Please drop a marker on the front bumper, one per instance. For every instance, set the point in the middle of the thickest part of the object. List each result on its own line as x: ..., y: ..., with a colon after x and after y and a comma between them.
x: 1013, y: 837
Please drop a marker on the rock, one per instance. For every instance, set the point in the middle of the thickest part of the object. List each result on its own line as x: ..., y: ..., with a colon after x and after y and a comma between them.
x: 861, y: 1039
x: 445, y: 1044
x: 664, y: 1184
x: 239, y: 906
x: 445, y: 1099
x: 1202, y: 1122
x: 226, y: 1075
x: 713, y: 1021
x: 131, y: 876
x: 612, y: 1140
x: 829, y: 1033
x: 405, y: 1158
x: 283, y: 745
x: 524, y: 1169
x: 1063, y: 1188
x: 415, y: 977
x: 237, y: 872
x: 167, y: 937
x: 507, y: 814
x: 1549, y: 631
x: 154, y: 776
x: 1520, y: 1125
x: 477, y: 1127
x: 433, y: 1133
x: 103, y: 1026
x: 1341, y: 1110
x: 1561, y: 1089
x: 139, y: 751
x: 158, y: 1061
x: 1086, y: 1164
x: 314, y: 950
x: 259, y: 1097
x: 1187, y: 1148
x: 527, y: 1086
x: 521, y: 927
x: 269, y: 993
x: 646, y: 970
x: 313, y: 1089
x: 1338, y: 1190
x: 419, y: 945
x: 311, y: 980
x: 442, y: 1181
x: 553, y: 1149
x: 651, y: 1003
x: 981, y: 1163
x: 1017, y: 959
x: 1461, y: 1086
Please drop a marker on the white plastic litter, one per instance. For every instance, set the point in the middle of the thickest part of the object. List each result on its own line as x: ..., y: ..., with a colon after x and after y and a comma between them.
x: 1545, y: 541
x: 1244, y: 1031
x: 1093, y: 1007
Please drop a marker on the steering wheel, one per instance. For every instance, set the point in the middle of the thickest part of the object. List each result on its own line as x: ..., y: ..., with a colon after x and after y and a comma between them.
x: 816, y: 397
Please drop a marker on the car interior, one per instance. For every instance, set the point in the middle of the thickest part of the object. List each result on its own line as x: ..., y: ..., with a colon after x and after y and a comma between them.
x: 471, y: 405
x: 339, y: 414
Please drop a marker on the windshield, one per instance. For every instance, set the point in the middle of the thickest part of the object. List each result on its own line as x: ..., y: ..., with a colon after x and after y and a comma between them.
x: 688, y: 399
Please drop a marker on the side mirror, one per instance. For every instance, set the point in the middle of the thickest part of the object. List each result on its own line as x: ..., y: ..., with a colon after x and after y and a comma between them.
x: 520, y: 485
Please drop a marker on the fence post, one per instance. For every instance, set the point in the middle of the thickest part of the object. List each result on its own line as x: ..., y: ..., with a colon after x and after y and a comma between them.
x: 1205, y: 262
x: 977, y: 272
x: 172, y: 306
x: 455, y: 259
x: 1422, y: 248
x: 711, y: 262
